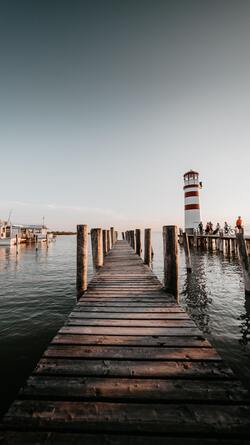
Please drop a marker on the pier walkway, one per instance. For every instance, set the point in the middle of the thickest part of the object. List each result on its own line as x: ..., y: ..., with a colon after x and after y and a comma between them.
x: 129, y: 367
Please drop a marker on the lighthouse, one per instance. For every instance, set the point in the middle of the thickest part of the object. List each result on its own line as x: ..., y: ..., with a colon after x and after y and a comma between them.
x: 191, y: 189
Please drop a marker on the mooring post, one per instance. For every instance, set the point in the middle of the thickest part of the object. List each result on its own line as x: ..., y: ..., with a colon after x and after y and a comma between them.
x: 138, y: 241
x: 244, y: 260
x: 221, y: 241
x: 194, y: 239
x: 187, y: 252
x: 147, y: 247
x: 112, y: 236
x: 16, y: 244
x: 105, y: 241
x: 82, y: 258
x: 36, y: 240
x: 132, y: 232
x: 180, y: 236
x: 123, y: 237
x: 97, y: 247
x: 47, y: 240
x: 116, y: 235
x: 108, y: 240
x: 170, y: 251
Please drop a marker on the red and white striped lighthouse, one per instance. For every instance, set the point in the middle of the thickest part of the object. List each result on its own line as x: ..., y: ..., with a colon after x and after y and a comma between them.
x: 192, y: 200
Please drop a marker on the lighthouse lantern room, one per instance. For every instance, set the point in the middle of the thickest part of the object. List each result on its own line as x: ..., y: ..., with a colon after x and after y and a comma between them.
x: 191, y: 188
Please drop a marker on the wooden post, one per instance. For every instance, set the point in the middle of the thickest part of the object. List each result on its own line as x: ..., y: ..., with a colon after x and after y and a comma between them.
x: 132, y: 242
x: 221, y: 241
x: 47, y: 240
x: 36, y: 239
x: 105, y: 242
x: 187, y: 252
x: 195, y: 239
x: 108, y: 240
x: 82, y: 258
x: 138, y: 241
x: 147, y: 247
x: 16, y: 244
x: 180, y: 236
x: 244, y: 260
x: 116, y: 236
x: 170, y: 251
x: 112, y: 235
x: 233, y: 245
x: 97, y: 252
x: 123, y: 236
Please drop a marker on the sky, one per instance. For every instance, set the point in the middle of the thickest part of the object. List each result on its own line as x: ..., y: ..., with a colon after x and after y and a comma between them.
x: 105, y: 104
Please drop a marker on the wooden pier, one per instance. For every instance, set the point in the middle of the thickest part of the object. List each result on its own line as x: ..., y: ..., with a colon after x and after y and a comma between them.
x: 129, y: 367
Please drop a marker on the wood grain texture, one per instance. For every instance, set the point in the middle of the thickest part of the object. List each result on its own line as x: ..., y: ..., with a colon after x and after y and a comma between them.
x: 129, y: 367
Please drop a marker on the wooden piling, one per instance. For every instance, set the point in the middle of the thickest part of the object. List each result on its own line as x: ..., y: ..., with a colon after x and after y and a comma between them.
x: 82, y: 258
x: 105, y: 242
x: 221, y: 241
x: 36, y: 241
x: 97, y: 247
x: 112, y: 236
x: 138, y: 241
x: 132, y: 239
x: 123, y: 236
x: 170, y: 251
x: 194, y: 240
x: 147, y: 247
x: 17, y: 250
x: 187, y: 252
x: 108, y: 240
x: 244, y: 260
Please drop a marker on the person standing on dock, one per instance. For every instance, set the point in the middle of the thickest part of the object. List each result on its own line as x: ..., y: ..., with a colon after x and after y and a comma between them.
x: 239, y: 224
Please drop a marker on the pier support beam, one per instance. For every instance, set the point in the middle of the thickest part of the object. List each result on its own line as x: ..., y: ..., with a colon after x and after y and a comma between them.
x: 97, y: 247
x: 105, y: 242
x: 112, y: 236
x: 138, y: 241
x: 241, y: 243
x: 147, y: 247
x: 82, y: 258
x: 170, y: 252
x: 132, y: 239
x: 187, y: 252
x: 108, y: 240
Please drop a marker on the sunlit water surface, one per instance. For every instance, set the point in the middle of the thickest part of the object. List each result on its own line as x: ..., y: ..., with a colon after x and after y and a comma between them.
x: 37, y: 292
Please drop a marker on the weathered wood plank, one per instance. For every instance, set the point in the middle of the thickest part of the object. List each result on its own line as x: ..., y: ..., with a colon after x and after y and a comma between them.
x: 130, y: 418
x: 132, y: 316
x: 130, y: 340
x: 73, y: 321
x: 134, y: 353
x: 104, y: 330
x: 65, y: 388
x: 132, y: 368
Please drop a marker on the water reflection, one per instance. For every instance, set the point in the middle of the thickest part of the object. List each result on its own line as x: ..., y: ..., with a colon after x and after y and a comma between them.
x: 245, y: 324
x: 194, y: 294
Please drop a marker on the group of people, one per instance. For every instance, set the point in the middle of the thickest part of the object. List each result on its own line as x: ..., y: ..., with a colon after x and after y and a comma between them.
x: 210, y: 230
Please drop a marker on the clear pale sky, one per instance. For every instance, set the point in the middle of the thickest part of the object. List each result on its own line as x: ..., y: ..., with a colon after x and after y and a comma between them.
x: 105, y: 104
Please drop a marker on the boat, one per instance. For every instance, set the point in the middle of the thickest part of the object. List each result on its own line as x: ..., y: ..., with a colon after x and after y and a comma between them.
x: 9, y: 233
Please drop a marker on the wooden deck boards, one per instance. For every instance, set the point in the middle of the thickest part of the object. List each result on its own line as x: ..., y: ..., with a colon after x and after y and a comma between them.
x: 129, y: 367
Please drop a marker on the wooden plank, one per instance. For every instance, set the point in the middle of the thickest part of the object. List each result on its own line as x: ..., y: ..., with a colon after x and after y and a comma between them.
x: 65, y: 438
x: 129, y: 418
x: 130, y: 309
x: 77, y: 388
x: 133, y: 368
x: 130, y: 340
x: 73, y: 321
x: 133, y: 353
x: 132, y: 316
x: 105, y: 330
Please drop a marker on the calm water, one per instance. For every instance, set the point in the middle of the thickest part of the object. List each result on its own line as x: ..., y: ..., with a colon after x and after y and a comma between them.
x: 37, y: 292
